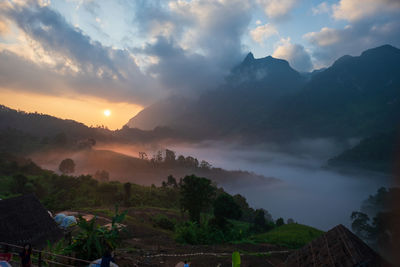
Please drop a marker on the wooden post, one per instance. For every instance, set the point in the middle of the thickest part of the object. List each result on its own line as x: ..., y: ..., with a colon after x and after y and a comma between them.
x: 40, y: 259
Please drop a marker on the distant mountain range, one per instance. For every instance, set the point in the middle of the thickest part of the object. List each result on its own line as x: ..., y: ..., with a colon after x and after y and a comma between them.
x: 266, y: 100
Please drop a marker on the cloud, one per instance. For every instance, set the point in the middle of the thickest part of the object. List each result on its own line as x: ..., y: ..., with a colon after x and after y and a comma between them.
x: 325, y: 37
x: 297, y: 56
x: 322, y: 8
x: 353, y: 10
x: 330, y: 44
x: 81, y: 65
x: 277, y: 9
x: 4, y: 27
x: 196, y: 43
x: 263, y: 32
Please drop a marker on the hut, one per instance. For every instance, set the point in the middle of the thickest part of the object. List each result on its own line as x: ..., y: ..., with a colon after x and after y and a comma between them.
x: 337, y: 247
x: 25, y: 220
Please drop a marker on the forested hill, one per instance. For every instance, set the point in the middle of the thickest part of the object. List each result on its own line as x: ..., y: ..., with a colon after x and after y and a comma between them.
x: 379, y: 152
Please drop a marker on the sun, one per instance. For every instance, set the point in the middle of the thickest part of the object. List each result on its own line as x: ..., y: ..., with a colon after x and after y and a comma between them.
x: 107, y: 113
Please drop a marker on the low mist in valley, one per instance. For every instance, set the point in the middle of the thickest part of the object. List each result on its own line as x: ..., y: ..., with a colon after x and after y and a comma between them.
x: 290, y: 181
x: 308, y: 192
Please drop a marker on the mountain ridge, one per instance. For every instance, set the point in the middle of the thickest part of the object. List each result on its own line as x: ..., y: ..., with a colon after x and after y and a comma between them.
x: 259, y: 102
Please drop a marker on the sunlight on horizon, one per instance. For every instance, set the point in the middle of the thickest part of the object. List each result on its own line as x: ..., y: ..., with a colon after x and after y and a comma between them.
x: 81, y: 110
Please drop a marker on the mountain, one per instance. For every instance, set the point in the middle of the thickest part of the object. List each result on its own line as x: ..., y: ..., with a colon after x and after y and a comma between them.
x: 356, y: 96
x: 253, y: 86
x: 266, y: 100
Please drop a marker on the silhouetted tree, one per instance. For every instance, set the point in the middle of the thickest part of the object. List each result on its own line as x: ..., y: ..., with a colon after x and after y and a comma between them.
x: 259, y: 219
x: 67, y: 166
x: 280, y: 222
x: 191, y: 162
x: 171, y: 181
x: 225, y: 206
x: 205, y: 165
x: 143, y: 155
x: 196, y: 195
x: 181, y: 160
x: 169, y: 157
x: 360, y: 224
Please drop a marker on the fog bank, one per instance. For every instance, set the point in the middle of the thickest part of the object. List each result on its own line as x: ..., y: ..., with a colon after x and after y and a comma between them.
x: 308, y: 193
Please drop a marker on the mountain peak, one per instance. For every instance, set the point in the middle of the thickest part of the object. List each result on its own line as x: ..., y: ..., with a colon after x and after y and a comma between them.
x: 248, y: 58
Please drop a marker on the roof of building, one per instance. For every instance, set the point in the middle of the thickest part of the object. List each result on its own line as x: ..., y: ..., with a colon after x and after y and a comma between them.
x: 25, y: 220
x: 337, y: 247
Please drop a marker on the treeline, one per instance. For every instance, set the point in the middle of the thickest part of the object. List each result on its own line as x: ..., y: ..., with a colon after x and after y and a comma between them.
x: 168, y: 158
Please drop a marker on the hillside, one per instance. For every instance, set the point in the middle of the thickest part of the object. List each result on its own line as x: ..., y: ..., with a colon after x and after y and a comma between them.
x: 376, y: 153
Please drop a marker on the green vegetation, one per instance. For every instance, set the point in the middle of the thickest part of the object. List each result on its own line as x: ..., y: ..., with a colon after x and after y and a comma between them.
x: 196, y: 195
x: 93, y: 240
x: 289, y: 235
x: 193, y: 210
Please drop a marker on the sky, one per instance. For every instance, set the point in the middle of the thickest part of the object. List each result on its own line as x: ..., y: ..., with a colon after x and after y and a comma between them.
x: 77, y: 58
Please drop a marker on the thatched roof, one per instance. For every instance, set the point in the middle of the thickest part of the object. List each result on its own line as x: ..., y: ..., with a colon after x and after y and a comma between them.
x: 337, y: 247
x: 24, y: 219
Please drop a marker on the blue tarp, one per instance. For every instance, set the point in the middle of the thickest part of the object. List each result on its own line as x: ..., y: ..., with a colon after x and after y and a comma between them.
x: 59, y: 218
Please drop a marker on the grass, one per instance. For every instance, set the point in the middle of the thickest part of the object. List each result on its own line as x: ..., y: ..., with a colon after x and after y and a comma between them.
x: 291, y: 236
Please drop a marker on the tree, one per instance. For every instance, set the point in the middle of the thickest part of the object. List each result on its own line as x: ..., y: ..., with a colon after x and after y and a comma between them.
x: 290, y: 221
x: 171, y: 181
x: 259, y: 219
x: 191, y: 162
x: 169, y: 156
x: 181, y: 160
x: 205, y: 165
x: 67, y: 166
x: 280, y: 222
x: 196, y: 195
x: 143, y: 155
x: 360, y: 224
x: 225, y: 206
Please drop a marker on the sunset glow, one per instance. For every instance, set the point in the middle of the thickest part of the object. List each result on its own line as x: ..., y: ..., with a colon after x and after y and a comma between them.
x: 82, y: 110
